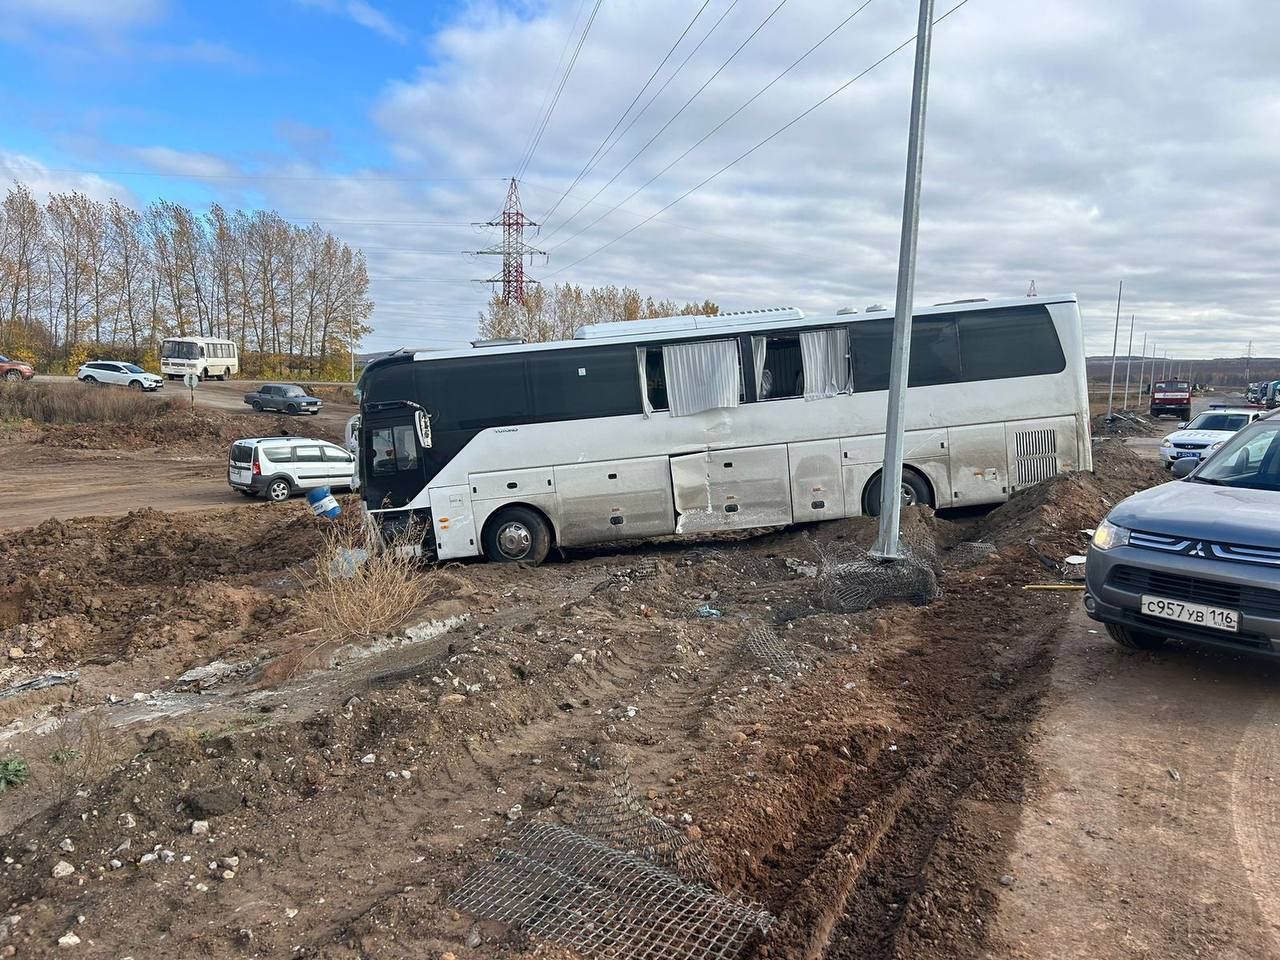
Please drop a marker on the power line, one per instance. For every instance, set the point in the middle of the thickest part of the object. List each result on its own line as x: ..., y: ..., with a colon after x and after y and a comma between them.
x: 675, y: 116
x: 551, y: 107
x: 639, y: 93
x: 742, y: 156
x: 657, y: 93
x: 710, y: 133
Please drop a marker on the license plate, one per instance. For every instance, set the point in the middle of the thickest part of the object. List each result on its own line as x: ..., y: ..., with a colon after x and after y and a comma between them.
x: 1178, y: 455
x: 1193, y: 613
x: 239, y: 474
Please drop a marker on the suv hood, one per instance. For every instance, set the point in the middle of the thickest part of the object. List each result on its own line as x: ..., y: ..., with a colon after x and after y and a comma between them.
x: 1184, y: 508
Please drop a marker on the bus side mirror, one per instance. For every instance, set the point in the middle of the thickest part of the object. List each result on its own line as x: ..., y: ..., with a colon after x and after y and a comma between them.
x: 422, y: 423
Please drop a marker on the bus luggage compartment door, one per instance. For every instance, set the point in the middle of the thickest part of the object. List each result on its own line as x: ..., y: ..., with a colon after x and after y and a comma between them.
x: 732, y: 489
x: 817, y: 487
x: 614, y: 500
x: 979, y: 464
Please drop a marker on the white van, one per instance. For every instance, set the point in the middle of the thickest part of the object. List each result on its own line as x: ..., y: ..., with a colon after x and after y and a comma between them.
x: 279, y: 467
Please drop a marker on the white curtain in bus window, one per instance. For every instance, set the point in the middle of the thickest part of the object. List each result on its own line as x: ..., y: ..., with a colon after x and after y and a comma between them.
x: 702, y: 376
x: 825, y: 354
x: 759, y: 345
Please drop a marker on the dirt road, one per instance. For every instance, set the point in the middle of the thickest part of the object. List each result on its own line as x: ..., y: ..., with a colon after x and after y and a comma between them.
x: 1155, y: 827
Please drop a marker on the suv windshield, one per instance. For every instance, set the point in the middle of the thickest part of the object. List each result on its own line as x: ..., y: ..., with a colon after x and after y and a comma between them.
x: 132, y: 368
x: 1219, y: 421
x: 178, y: 350
x: 4, y: 359
x: 1250, y: 459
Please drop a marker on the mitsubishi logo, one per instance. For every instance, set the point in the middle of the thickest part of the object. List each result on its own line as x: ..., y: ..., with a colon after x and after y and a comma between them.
x: 1198, y: 550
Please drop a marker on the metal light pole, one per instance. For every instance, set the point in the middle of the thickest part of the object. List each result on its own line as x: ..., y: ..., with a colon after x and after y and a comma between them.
x: 1142, y: 368
x: 888, y: 545
x: 1128, y: 363
x: 1115, y: 343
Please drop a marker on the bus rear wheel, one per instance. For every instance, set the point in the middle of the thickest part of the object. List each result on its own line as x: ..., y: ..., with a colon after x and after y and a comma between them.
x: 517, y: 535
x: 915, y: 491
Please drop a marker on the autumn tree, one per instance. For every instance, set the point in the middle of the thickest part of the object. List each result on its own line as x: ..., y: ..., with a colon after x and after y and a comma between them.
x: 557, y: 313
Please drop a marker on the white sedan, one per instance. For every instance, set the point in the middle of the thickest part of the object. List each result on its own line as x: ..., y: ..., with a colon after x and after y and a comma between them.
x: 126, y: 374
x: 1204, y: 434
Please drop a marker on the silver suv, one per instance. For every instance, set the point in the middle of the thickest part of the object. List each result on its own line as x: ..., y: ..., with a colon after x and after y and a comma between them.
x: 1197, y: 559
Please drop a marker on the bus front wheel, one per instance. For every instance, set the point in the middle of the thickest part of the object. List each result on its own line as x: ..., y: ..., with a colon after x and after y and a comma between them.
x: 915, y: 491
x: 517, y: 535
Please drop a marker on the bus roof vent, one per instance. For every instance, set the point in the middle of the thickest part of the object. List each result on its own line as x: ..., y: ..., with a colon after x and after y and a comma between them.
x: 845, y: 311
x: 951, y: 303
x: 623, y: 328
x: 498, y: 342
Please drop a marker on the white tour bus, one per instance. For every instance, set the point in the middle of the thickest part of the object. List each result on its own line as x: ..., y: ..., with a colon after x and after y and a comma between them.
x: 695, y: 424
x: 207, y: 356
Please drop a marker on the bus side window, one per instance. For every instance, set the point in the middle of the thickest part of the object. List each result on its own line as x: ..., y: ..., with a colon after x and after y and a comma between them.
x: 655, y: 378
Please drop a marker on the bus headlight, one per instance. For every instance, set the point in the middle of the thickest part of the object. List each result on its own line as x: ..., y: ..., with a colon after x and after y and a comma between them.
x: 1107, y: 536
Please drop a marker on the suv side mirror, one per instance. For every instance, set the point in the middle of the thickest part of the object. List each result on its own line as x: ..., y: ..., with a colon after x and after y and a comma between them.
x: 1182, y: 424
x: 1185, y: 466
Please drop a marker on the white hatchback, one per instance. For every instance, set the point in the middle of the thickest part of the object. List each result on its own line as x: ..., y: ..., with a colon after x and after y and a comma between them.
x: 126, y: 374
x: 279, y: 467
x: 1203, y: 435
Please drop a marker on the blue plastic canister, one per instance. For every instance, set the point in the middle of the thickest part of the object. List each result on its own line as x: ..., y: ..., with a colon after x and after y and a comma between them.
x: 323, y: 503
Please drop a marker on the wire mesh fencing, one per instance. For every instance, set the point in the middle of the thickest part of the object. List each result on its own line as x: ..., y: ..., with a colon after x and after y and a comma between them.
x: 763, y: 644
x: 579, y: 892
x: 850, y: 579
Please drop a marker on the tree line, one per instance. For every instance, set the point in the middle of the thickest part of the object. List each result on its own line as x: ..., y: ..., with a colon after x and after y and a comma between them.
x: 82, y: 278
x: 556, y: 313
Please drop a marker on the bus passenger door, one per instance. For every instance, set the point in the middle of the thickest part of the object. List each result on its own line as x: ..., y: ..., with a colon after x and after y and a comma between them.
x: 732, y: 489
x: 393, y: 466
x: 979, y: 465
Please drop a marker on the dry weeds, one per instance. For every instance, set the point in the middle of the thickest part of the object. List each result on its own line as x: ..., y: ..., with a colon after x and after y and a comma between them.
x: 354, y: 598
x: 78, y: 403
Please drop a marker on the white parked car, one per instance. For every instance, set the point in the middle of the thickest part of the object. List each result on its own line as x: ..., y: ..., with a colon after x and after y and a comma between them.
x: 1203, y: 435
x: 126, y: 374
x: 279, y: 467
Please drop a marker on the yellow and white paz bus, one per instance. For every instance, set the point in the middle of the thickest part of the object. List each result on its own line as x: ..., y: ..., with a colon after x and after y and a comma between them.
x: 205, y: 356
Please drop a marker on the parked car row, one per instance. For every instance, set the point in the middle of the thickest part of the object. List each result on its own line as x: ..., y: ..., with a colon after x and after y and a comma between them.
x: 1198, y: 558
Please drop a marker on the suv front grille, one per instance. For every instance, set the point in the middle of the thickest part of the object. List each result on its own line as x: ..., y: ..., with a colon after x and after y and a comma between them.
x: 1256, y: 601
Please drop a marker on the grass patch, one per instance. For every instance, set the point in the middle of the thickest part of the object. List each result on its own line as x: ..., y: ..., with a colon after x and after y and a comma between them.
x: 48, y: 403
x: 14, y: 772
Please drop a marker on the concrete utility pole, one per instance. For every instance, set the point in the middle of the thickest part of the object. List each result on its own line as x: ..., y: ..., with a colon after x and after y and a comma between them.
x: 1142, y: 368
x: 1115, y: 344
x: 888, y: 544
x: 1128, y: 363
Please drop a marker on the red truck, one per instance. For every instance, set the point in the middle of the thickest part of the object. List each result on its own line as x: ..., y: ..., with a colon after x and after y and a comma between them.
x: 1171, y: 398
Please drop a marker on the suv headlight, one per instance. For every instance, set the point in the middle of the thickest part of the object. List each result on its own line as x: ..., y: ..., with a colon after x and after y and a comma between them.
x: 1107, y: 536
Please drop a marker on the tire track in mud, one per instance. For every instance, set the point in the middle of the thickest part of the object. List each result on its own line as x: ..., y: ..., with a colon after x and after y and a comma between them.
x: 890, y: 864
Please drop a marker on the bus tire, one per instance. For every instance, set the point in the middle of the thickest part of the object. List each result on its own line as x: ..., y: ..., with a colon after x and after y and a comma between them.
x: 915, y: 491
x: 517, y: 535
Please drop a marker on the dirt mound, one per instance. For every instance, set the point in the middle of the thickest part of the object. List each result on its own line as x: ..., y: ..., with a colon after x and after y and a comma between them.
x: 186, y: 429
x: 1128, y: 425
x: 1052, y: 514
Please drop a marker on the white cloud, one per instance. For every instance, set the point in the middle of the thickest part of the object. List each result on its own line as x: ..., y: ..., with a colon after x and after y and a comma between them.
x: 362, y: 13
x: 184, y: 163
x: 43, y: 180
x: 87, y: 14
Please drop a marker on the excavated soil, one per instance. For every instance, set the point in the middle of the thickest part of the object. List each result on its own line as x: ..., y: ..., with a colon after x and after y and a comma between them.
x: 859, y: 774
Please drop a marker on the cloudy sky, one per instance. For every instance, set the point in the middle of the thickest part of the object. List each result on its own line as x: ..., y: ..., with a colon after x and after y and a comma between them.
x: 1075, y: 143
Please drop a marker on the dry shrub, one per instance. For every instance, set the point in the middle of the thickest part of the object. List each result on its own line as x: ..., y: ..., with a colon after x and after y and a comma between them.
x: 359, y: 600
x: 79, y: 403
x: 80, y: 754
x: 332, y: 392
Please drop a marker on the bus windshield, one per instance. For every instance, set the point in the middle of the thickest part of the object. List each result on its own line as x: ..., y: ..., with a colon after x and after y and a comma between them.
x: 179, y: 350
